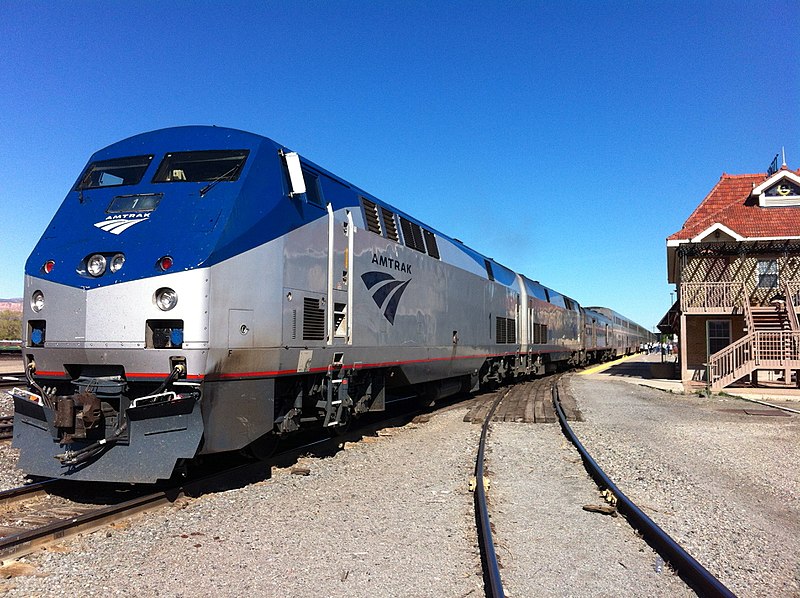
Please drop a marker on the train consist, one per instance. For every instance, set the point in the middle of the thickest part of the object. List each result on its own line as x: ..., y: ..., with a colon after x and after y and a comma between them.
x: 204, y: 289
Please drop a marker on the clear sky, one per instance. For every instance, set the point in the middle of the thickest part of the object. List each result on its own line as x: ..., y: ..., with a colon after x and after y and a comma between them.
x: 566, y: 140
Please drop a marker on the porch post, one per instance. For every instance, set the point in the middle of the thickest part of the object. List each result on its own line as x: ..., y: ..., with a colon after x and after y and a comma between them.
x: 684, y: 369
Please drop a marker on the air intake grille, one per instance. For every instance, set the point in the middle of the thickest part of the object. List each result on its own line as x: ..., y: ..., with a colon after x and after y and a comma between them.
x: 430, y: 243
x: 371, y: 216
x: 412, y: 235
x: 506, y: 329
x: 389, y: 223
x: 313, y: 320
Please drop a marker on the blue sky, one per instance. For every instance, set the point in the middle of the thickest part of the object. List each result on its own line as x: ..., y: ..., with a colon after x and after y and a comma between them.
x: 565, y: 140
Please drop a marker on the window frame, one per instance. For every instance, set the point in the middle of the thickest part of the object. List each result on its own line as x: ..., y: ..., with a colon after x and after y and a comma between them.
x: 161, y: 172
x: 101, y: 165
x: 762, y: 274
x: 717, y: 337
x: 313, y: 188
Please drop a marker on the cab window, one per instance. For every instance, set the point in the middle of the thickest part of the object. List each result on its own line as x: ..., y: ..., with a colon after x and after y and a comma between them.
x: 114, y: 173
x: 201, y: 167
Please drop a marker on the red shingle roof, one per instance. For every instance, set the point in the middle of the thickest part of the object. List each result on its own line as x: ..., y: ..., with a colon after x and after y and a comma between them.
x: 729, y: 203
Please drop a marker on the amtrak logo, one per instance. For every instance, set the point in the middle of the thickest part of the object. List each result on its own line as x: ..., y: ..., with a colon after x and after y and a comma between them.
x: 118, y: 224
x: 388, y: 291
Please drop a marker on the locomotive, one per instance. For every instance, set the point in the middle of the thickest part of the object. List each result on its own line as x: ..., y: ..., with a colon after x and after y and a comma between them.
x: 203, y: 289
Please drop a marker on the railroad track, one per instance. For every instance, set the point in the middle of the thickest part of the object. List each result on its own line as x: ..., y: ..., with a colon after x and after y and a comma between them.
x: 38, y: 514
x: 692, y: 572
x: 12, y: 379
x: 7, y: 382
x: 6, y: 427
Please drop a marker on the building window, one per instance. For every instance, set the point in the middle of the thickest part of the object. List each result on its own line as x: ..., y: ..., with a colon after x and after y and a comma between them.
x: 719, y: 335
x: 767, y: 271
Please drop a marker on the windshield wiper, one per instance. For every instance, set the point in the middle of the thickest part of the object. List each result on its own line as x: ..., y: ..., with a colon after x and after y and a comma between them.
x: 228, y: 175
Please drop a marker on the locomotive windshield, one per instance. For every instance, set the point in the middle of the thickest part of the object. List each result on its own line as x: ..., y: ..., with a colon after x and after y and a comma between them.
x: 198, y: 167
x: 114, y: 173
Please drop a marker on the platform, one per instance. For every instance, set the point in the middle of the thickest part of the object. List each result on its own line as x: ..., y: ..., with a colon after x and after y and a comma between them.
x: 644, y: 370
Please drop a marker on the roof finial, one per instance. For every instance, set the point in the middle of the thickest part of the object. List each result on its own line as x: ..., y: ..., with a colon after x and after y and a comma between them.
x: 783, y: 151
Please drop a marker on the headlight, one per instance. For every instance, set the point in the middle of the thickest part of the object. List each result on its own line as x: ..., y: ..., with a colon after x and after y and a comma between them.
x: 96, y: 265
x: 117, y: 261
x: 37, y: 301
x: 166, y: 299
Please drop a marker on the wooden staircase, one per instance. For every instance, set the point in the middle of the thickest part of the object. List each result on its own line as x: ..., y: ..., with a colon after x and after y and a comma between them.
x: 771, y: 342
x: 770, y: 318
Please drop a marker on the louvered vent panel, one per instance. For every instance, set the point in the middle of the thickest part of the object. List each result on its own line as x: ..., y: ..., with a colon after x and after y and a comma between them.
x: 511, y: 331
x: 313, y: 320
x: 412, y: 235
x: 390, y: 224
x: 371, y: 216
x: 500, y: 329
x: 419, y: 243
x: 408, y: 235
x: 430, y: 244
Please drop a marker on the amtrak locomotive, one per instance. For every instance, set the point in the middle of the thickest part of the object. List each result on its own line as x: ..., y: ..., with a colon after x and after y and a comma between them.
x: 204, y: 289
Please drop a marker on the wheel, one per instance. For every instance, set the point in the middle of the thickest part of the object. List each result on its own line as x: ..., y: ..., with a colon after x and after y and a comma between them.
x: 264, y: 447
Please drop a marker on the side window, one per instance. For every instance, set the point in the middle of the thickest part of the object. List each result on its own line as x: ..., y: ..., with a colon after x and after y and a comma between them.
x: 313, y: 191
x: 719, y: 335
x: 767, y: 272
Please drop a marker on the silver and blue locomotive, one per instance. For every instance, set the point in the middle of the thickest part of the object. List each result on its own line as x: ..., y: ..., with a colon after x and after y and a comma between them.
x: 203, y: 289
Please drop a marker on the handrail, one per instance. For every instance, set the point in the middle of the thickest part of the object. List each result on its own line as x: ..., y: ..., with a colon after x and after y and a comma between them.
x: 790, y: 309
x: 777, y: 348
x: 792, y: 288
x: 748, y: 316
x: 727, y: 361
x: 761, y: 349
x: 711, y: 295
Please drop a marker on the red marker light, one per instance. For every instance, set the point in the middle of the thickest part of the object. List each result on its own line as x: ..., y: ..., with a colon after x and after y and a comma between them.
x: 48, y: 266
x: 165, y: 263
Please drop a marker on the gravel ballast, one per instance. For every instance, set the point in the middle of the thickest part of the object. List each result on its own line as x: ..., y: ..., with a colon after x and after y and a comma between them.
x: 387, y: 517
x: 547, y: 544
x: 392, y: 515
x: 722, y: 483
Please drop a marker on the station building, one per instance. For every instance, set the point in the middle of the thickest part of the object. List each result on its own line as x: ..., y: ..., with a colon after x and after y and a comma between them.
x: 736, y: 267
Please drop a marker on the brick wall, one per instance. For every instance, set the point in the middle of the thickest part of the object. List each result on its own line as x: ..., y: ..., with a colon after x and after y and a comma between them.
x: 695, y: 337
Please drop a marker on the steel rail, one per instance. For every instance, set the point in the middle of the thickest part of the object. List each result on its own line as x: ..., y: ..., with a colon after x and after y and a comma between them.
x: 24, y: 492
x: 692, y: 572
x: 12, y: 379
x: 27, y: 541
x: 493, y: 585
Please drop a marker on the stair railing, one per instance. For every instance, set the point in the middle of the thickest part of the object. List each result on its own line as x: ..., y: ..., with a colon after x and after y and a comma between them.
x: 732, y: 362
x: 790, y: 302
x: 748, y: 315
